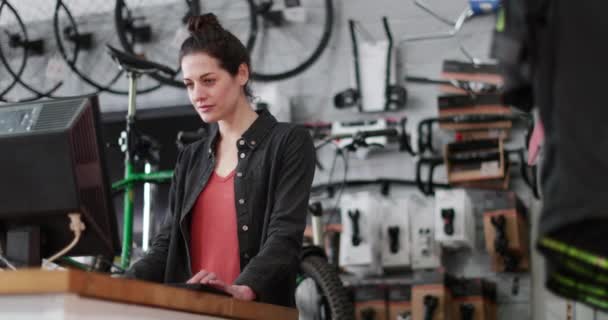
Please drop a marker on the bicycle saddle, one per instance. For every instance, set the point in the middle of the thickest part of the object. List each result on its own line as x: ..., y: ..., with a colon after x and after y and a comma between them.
x: 130, y: 62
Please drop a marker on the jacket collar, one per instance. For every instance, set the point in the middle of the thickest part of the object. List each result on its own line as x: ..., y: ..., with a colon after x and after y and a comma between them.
x: 252, y: 137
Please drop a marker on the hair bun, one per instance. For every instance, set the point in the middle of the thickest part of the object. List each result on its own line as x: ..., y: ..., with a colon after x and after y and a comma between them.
x: 199, y: 24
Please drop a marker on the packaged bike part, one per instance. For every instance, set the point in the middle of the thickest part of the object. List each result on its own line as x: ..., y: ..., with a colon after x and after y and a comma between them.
x: 454, y: 219
x: 399, y: 301
x: 475, y: 161
x: 375, y: 74
x: 360, y: 241
x: 275, y: 100
x: 395, y: 234
x: 426, y: 252
x: 352, y: 127
x: 478, y: 104
x: 474, y: 299
x: 370, y: 302
x: 471, y: 77
x: 506, y: 235
x: 432, y: 297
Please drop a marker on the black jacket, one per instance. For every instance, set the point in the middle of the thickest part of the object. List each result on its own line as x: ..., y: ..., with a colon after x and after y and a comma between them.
x: 272, y: 185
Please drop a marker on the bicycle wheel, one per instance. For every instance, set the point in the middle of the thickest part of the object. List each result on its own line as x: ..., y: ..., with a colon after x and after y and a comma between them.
x: 155, y: 30
x: 331, y: 300
x: 291, y: 37
x: 81, y: 41
x: 11, y: 28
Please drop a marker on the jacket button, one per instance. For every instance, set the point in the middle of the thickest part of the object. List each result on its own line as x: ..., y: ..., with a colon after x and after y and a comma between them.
x: 239, y: 174
x: 242, y: 155
x: 245, y: 227
x: 253, y: 142
x: 241, y: 142
x: 242, y: 201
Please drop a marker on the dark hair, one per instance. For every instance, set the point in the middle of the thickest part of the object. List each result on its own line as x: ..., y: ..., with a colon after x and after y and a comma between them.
x: 208, y: 36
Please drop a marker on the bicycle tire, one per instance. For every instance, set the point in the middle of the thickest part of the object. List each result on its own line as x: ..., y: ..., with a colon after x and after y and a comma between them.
x: 300, y: 67
x: 23, y: 62
x: 124, y: 23
x: 34, y: 80
x: 329, y: 285
x: 97, y: 53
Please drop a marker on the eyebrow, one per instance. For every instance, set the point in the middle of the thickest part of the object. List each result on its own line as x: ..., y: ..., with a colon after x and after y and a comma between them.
x: 202, y: 76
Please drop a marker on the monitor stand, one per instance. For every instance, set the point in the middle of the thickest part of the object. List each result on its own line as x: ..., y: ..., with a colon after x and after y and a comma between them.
x: 23, y: 246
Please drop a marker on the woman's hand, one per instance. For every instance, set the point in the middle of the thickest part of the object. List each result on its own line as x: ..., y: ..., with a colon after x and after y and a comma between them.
x: 237, y: 292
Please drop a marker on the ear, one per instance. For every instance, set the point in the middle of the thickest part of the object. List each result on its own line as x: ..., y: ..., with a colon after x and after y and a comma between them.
x: 242, y: 75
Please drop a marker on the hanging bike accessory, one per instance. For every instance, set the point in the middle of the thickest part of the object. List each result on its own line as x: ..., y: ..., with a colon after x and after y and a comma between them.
x: 134, y: 145
x: 425, y: 126
x: 354, y: 220
x: 393, y: 234
x: 480, y: 163
x: 510, y: 261
x: 448, y: 221
x: 366, y: 95
x: 291, y: 37
x: 430, y: 305
x: 339, y: 130
x: 470, y: 87
x: 501, y: 244
x: 32, y: 51
x: 454, y: 219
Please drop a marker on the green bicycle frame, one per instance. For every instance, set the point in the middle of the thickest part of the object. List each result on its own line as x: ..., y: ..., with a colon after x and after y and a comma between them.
x: 128, y: 185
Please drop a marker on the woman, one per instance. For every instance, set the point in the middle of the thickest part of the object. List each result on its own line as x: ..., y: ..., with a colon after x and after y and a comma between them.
x: 239, y: 196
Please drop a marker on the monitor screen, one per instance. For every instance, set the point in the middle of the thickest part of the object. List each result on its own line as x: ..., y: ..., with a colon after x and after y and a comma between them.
x: 52, y: 164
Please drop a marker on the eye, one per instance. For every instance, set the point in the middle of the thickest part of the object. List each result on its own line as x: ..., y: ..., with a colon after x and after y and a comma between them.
x: 209, y: 81
x: 188, y: 85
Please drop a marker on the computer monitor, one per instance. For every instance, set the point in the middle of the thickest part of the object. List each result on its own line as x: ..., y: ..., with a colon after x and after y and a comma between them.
x: 51, y: 164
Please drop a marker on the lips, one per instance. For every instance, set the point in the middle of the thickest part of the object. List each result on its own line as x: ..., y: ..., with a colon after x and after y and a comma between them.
x: 204, y: 108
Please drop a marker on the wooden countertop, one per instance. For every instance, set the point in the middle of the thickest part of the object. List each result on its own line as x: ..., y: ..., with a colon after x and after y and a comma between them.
x: 103, y: 287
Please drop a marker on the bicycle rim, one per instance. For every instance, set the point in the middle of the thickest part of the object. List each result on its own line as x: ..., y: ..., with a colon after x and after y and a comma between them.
x: 10, y: 23
x: 168, y: 32
x: 289, y: 48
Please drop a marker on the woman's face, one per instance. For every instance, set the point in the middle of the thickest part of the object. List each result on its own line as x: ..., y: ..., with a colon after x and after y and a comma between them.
x: 213, y: 91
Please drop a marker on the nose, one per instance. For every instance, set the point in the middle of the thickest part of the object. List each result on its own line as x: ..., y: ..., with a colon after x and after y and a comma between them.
x: 198, y: 93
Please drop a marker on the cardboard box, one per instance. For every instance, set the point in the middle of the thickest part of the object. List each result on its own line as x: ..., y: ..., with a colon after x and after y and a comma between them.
x: 435, y: 286
x: 468, y: 161
x: 516, y: 229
